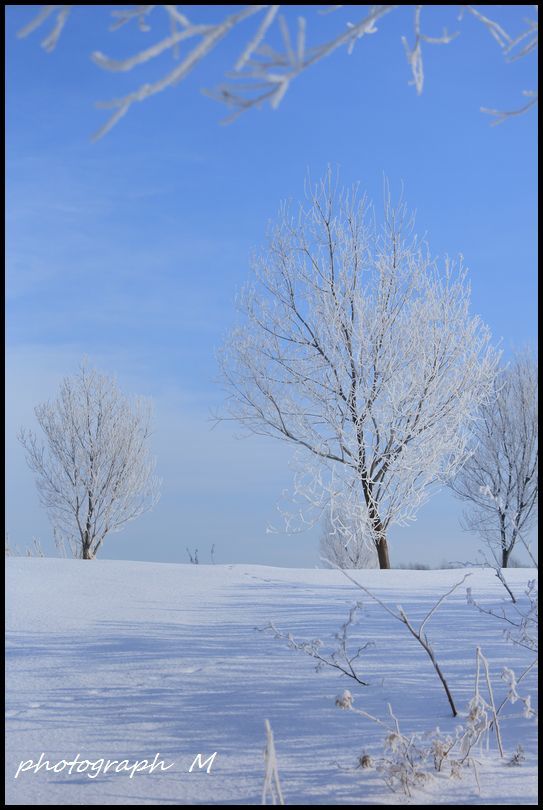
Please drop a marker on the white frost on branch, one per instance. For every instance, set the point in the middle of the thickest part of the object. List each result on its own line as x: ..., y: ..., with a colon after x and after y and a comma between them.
x: 341, y: 658
x: 418, y: 633
x: 346, y: 541
x: 50, y: 41
x: 414, y: 54
x: 263, y: 73
x: 410, y: 760
x: 513, y: 49
x: 272, y: 786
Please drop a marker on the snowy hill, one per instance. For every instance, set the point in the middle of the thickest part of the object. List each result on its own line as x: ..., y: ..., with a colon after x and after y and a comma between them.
x: 124, y: 660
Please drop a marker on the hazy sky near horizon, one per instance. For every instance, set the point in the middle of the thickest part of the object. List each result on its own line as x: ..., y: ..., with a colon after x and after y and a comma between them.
x: 131, y: 250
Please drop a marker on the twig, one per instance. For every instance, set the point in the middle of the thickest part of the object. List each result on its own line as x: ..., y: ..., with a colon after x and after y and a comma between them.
x: 418, y: 634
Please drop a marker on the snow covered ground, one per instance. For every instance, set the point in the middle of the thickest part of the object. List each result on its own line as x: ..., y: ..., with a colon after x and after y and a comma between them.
x: 124, y: 660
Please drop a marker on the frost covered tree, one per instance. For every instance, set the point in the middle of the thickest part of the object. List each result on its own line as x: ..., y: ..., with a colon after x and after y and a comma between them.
x: 273, y: 51
x: 93, y: 472
x: 499, y: 481
x: 357, y: 348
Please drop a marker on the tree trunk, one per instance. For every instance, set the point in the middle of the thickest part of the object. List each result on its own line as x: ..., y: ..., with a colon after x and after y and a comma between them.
x: 382, y: 552
x: 379, y: 535
x: 505, y: 551
x: 86, y: 548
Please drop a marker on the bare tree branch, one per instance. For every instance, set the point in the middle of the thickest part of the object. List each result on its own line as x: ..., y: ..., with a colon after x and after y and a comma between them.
x: 419, y: 633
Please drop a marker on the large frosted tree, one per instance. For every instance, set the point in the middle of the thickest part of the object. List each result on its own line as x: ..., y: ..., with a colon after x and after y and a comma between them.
x: 93, y: 470
x: 359, y: 349
x: 499, y: 480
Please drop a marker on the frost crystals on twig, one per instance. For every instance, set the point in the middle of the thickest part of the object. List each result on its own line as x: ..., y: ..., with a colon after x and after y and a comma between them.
x: 341, y: 659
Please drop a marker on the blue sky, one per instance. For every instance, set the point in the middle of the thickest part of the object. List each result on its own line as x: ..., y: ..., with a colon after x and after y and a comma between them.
x: 131, y: 250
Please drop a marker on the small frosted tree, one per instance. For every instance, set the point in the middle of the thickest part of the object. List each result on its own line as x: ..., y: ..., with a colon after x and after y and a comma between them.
x: 359, y: 350
x: 93, y: 472
x: 499, y: 481
x: 344, y: 544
